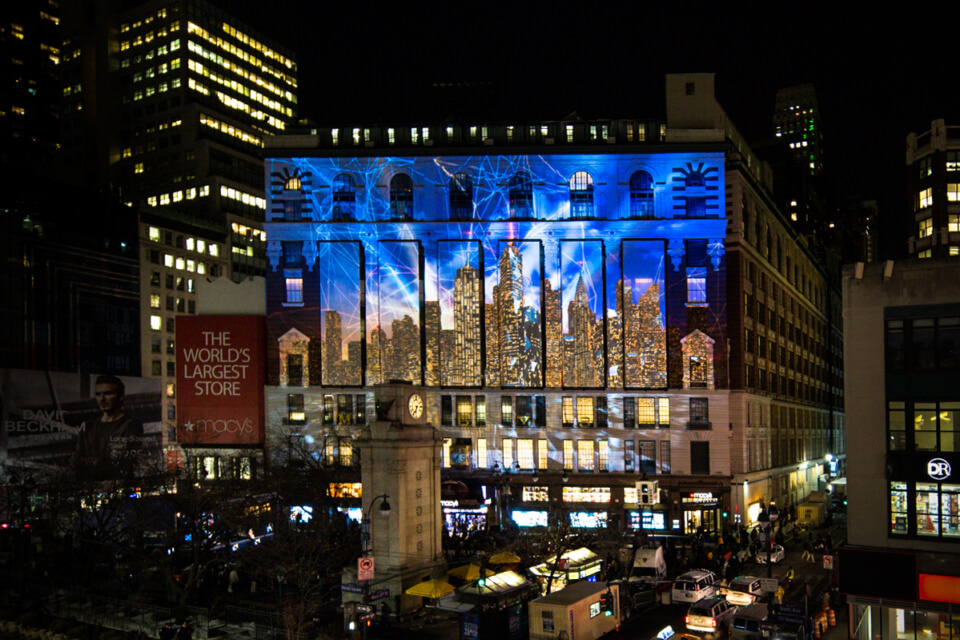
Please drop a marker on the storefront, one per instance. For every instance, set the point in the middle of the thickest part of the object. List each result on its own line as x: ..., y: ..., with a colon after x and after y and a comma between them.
x: 463, y: 507
x: 701, y: 512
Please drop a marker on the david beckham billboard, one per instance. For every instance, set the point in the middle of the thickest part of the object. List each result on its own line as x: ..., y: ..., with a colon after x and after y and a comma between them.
x: 220, y: 379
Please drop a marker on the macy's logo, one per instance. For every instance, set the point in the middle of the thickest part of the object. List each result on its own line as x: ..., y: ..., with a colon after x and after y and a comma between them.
x: 229, y: 425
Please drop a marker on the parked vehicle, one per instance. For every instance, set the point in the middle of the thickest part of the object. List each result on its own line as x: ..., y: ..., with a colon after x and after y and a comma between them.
x: 743, y: 590
x: 747, y: 622
x: 711, y: 616
x: 777, y: 554
x: 694, y: 585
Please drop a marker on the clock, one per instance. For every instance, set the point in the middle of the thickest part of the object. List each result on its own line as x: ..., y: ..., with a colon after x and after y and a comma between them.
x: 415, y: 405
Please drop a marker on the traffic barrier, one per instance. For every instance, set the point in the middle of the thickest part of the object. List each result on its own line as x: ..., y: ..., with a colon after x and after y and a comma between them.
x: 831, y: 617
x: 816, y: 629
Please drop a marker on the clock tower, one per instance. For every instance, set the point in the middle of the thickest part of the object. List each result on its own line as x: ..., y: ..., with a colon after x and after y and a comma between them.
x: 401, y: 459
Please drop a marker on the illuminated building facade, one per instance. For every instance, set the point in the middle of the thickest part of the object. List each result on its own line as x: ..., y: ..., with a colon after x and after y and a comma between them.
x: 561, y: 290
x: 933, y: 186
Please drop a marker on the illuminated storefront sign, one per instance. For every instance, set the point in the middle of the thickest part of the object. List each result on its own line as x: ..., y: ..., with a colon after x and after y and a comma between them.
x: 529, y: 518
x: 345, y: 489
x: 939, y: 469
x: 701, y: 497
x: 588, y: 519
x: 650, y: 520
x: 586, y: 494
x: 536, y: 494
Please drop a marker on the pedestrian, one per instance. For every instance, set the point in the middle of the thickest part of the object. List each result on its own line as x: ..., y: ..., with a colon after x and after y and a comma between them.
x: 185, y: 632
x: 167, y: 632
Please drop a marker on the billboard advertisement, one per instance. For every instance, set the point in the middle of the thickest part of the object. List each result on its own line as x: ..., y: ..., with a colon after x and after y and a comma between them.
x: 220, y: 380
x: 98, y: 427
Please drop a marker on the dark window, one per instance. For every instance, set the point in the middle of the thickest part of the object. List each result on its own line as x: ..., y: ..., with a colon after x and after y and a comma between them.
x: 641, y: 195
x: 581, y: 195
x: 344, y: 409
x: 948, y: 343
x: 295, y: 370
x: 541, y: 410
x: 923, y: 345
x: 629, y: 413
x: 524, y: 411
x: 401, y: 197
x: 446, y: 411
x: 648, y: 456
x: 292, y: 254
x: 461, y: 196
x: 700, y: 411
x: 520, y: 195
x: 292, y: 209
x: 344, y: 197
x: 700, y: 458
x: 601, y: 411
x: 361, y: 407
x: 155, y: 278
x: 328, y: 409
x: 696, y: 206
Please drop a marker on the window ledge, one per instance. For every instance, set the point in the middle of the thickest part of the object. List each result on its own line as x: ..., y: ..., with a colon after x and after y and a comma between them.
x: 291, y: 304
x: 700, y: 426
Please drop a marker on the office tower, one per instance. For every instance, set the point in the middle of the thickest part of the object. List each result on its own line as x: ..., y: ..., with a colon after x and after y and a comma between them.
x: 931, y: 217
x: 796, y: 122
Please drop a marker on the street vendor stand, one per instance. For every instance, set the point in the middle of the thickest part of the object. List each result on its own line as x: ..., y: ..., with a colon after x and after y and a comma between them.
x: 499, y: 607
x: 574, y: 565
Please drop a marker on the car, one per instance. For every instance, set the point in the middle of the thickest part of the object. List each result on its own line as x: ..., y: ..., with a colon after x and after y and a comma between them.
x: 743, y: 590
x: 776, y: 554
x: 710, y: 616
x: 694, y: 585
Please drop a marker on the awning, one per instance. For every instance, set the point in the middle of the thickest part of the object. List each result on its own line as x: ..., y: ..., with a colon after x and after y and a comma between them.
x: 431, y: 589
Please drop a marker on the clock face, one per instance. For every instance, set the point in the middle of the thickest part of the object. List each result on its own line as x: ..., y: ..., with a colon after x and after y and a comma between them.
x: 415, y: 406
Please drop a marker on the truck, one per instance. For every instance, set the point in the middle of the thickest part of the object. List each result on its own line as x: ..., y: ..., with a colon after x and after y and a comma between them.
x: 811, y: 514
x: 580, y: 611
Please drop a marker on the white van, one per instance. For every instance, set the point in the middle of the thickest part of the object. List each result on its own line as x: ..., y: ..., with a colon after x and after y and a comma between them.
x: 694, y: 585
x: 747, y: 622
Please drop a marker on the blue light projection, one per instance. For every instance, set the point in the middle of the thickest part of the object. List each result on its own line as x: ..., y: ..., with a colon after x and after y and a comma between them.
x: 537, y: 300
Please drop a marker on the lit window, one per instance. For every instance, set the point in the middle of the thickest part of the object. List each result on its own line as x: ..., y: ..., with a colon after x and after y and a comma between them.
x: 581, y: 195
x: 926, y: 253
x: 214, y: 250
x: 201, y: 268
x: 542, y: 451
x: 568, y: 455
x: 585, y: 455
x: 167, y: 260
x: 954, y: 251
x: 953, y: 192
x: 953, y: 222
x: 190, y: 243
x: 696, y: 285
x: 585, y: 411
x: 663, y: 412
x: 567, y: 405
x: 603, y: 455
x: 507, y: 453
x: 295, y: 290
x: 201, y: 246
x: 525, y: 454
x: 925, y: 228
x: 569, y: 133
x: 482, y: 453
x: 926, y: 197
x: 191, y: 266
x: 179, y: 264
x: 154, y: 234
x: 138, y: 167
x: 156, y: 322
x: 154, y: 301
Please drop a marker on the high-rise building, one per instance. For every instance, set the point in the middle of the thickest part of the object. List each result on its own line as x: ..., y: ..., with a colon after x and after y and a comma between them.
x: 796, y: 122
x: 933, y: 187
x: 640, y: 306
x: 901, y: 570
x: 168, y: 105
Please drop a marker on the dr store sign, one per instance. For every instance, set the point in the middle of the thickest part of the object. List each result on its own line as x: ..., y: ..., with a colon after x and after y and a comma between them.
x: 939, y: 469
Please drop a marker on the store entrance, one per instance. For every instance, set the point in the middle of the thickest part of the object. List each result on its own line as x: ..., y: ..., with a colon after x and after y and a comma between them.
x: 693, y: 519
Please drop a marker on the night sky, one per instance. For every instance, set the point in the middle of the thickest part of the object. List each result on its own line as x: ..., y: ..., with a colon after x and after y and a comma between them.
x: 877, y: 76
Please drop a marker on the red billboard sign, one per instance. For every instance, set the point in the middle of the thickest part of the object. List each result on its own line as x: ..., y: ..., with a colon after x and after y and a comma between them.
x: 220, y: 379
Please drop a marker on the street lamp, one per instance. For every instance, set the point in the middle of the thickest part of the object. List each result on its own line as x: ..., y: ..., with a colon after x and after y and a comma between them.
x: 384, y: 510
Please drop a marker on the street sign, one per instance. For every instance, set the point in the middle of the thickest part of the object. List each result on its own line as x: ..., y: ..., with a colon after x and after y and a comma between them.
x: 366, y: 616
x: 363, y: 608
x: 351, y: 588
x: 828, y: 562
x: 378, y: 595
x: 365, y: 568
x: 769, y: 585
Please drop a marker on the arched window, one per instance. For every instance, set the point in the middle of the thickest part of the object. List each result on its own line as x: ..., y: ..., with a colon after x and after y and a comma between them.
x: 401, y: 197
x: 641, y: 195
x: 581, y: 195
x: 293, y: 183
x: 344, y: 197
x: 461, y: 196
x: 520, y: 195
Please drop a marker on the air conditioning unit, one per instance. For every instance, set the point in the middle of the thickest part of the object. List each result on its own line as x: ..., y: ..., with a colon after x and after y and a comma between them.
x: 648, y: 492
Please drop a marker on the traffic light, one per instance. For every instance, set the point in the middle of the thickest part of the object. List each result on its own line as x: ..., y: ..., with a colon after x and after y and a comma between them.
x: 481, y: 581
x: 725, y: 514
x: 606, y: 603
